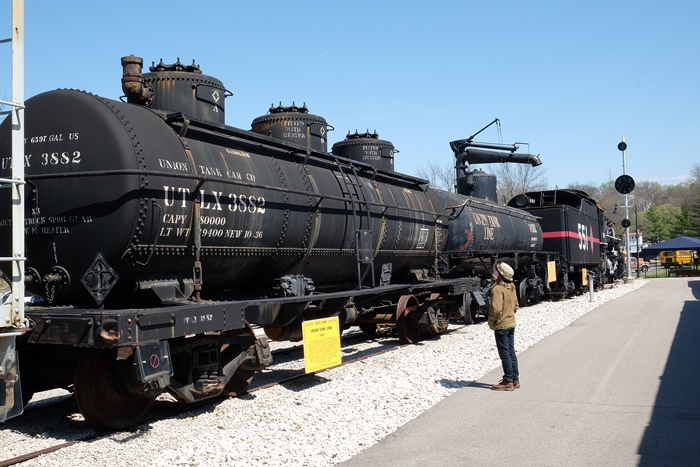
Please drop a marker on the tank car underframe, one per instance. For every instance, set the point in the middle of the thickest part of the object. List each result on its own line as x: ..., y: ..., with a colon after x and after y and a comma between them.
x: 535, y: 284
x: 122, y: 359
x: 531, y: 272
x: 208, y: 347
x: 411, y: 308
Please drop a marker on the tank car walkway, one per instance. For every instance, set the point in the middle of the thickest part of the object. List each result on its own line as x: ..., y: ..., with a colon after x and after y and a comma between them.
x: 620, y: 386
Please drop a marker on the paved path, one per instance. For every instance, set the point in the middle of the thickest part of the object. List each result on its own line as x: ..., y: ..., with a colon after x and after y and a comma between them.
x: 620, y: 386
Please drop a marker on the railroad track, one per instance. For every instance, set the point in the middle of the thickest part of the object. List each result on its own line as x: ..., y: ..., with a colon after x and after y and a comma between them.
x: 163, y: 409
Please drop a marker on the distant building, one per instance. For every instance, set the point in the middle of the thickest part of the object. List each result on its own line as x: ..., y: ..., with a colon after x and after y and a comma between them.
x: 637, y: 242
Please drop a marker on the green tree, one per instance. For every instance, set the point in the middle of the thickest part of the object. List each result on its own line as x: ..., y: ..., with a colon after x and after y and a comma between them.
x: 694, y: 203
x: 661, y: 220
x: 682, y: 227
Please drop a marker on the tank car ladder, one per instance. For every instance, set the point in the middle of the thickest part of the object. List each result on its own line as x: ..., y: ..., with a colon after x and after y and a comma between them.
x: 12, y: 321
x: 364, y: 237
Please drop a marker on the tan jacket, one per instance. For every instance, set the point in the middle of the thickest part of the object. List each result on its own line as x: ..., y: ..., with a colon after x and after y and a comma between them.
x: 504, y: 304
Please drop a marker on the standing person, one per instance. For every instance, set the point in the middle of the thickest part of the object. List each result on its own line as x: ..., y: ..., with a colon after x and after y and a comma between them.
x: 504, y: 304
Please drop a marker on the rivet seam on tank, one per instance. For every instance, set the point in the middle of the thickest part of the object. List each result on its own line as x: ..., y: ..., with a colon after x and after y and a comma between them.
x: 398, y: 215
x: 384, y: 212
x: 303, y: 170
x: 286, y: 201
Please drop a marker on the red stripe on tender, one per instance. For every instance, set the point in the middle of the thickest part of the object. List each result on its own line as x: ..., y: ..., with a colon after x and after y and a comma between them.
x: 564, y: 234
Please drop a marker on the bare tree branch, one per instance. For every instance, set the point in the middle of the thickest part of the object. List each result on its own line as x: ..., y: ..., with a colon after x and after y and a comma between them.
x: 440, y: 175
x: 514, y: 179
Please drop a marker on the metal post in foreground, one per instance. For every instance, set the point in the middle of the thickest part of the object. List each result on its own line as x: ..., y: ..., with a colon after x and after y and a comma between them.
x: 627, y: 213
x: 636, y: 242
x: 12, y: 322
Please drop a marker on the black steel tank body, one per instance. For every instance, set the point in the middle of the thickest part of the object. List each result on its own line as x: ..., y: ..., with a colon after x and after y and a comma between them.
x: 113, y: 189
x: 481, y: 226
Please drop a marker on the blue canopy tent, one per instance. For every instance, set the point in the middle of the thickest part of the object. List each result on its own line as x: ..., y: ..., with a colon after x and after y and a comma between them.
x: 678, y: 243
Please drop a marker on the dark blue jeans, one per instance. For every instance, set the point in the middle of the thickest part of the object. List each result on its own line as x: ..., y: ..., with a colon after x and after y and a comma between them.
x: 505, y: 342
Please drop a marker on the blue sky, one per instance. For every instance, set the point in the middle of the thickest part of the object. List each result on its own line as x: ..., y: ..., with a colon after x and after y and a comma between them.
x: 570, y: 78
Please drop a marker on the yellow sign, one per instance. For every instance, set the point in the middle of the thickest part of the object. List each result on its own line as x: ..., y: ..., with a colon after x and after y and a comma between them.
x: 584, y: 276
x: 552, y: 271
x: 321, y: 344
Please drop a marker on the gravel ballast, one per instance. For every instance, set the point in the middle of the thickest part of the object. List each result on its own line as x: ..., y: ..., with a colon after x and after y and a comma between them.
x: 321, y: 420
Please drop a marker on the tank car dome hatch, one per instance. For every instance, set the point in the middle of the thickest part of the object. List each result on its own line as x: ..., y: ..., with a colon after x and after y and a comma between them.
x: 478, y: 184
x: 295, y: 125
x: 368, y: 148
x: 175, y: 88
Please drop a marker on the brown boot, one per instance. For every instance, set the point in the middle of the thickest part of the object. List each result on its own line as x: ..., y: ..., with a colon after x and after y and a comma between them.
x: 503, y: 386
x: 516, y: 383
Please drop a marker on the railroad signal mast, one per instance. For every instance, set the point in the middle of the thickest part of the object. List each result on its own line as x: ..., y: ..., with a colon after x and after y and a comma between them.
x: 12, y: 321
x: 624, y: 184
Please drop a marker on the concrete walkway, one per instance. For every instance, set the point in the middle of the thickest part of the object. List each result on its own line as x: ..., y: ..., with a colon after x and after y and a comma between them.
x: 620, y: 386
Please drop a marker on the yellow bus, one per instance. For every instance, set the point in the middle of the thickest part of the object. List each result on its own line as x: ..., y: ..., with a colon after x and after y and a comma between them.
x: 682, y: 257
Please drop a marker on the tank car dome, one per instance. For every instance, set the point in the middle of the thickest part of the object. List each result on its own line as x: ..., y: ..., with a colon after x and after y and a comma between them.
x: 478, y: 184
x: 295, y: 125
x: 175, y: 88
x: 368, y: 148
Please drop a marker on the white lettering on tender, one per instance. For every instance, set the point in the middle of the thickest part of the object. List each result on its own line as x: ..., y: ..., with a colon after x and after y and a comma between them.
x: 585, y: 238
x: 582, y: 237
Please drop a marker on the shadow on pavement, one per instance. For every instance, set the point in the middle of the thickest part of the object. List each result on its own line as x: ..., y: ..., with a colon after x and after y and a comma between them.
x: 673, y: 434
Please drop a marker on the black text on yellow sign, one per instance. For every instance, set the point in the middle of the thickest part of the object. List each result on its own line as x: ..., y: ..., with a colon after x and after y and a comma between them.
x: 321, y: 344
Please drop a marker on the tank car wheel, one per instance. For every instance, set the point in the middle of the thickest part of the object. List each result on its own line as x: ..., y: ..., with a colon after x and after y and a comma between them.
x: 439, y: 310
x: 101, y: 404
x: 407, y: 333
x: 522, y: 293
x: 469, y: 310
x: 468, y: 318
x: 241, y: 379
